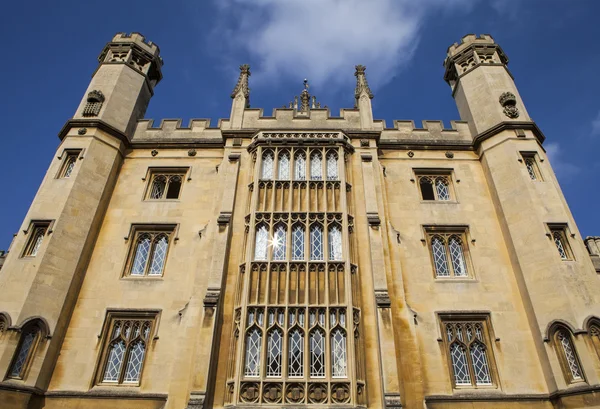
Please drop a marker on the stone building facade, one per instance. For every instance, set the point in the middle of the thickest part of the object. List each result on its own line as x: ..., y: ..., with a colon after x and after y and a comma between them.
x: 300, y: 259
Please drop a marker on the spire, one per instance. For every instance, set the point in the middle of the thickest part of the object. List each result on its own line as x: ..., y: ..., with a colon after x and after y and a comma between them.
x: 306, y: 103
x: 362, y: 86
x: 242, y: 84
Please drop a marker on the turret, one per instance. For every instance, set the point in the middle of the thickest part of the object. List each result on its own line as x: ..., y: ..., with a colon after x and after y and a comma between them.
x: 122, y: 85
x: 482, y: 86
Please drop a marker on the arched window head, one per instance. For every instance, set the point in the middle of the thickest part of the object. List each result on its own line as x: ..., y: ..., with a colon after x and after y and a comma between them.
x: 568, y: 356
x: 284, y: 166
x: 261, y: 242
x: 165, y: 186
x: 274, y: 352
x: 267, y: 166
x: 316, y: 167
x: 438, y: 249
x: 149, y: 253
x: 426, y: 186
x: 298, y: 242
x: 332, y: 166
x: 338, y: 353
x: 300, y: 166
x: 25, y: 352
x: 142, y: 251
x: 159, y: 254
x: 279, y: 243
x: 441, y: 188
x: 253, y: 348
x: 316, y: 242
x: 296, y: 353
x: 457, y: 256
x: 317, y: 353
x: 335, y: 243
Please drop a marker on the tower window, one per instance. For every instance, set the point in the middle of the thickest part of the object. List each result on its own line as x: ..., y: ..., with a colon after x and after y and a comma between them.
x: 68, y: 165
x: 37, y: 231
x: 435, y: 187
x: 148, y: 254
x: 559, y: 238
x: 567, y: 355
x: 165, y: 185
x: 449, y: 253
x: 468, y: 349
x: 30, y: 337
x: 531, y: 165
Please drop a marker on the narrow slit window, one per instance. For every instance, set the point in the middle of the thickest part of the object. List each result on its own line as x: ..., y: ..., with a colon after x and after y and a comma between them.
x: 559, y: 237
x: 37, y: 233
x: 279, y: 243
x: 68, y: 165
x: 531, y: 165
x: 332, y: 166
x: 261, y: 243
x: 316, y: 242
x: 298, y: 242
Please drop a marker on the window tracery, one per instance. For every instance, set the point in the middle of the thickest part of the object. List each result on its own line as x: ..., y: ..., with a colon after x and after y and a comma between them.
x: 28, y: 341
x: 434, y: 187
x: 567, y: 355
x: 149, y: 253
x: 332, y: 166
x: 448, y: 254
x: 316, y: 167
x: 284, y: 166
x: 165, y: 186
x: 267, y: 166
x: 300, y: 166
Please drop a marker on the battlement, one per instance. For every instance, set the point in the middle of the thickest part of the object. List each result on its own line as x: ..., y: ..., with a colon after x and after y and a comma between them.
x: 431, y: 133
x: 138, y: 39
x: 469, y: 40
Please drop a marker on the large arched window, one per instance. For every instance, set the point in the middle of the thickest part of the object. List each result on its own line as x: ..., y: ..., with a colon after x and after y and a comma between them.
x: 298, y: 242
x: 126, y: 351
x: 279, y: 243
x: 284, y: 166
x: 567, y: 355
x: 261, y: 242
x: 332, y: 166
x: 316, y: 167
x: 335, y: 243
x: 300, y: 166
x: 316, y: 242
x: 267, y: 166
x: 30, y: 337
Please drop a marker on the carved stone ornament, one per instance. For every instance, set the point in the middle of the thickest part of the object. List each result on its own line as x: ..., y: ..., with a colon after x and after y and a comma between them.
x: 272, y: 393
x: 249, y: 392
x: 154, y: 152
x: 340, y: 393
x: 93, y: 104
x: 364, y: 143
x: 382, y: 299
x: 449, y: 155
x: 242, y: 84
x: 392, y: 401
x: 508, y: 100
x: 196, y: 401
x: 410, y: 154
x: 361, y: 82
x: 192, y: 152
x: 211, y: 299
x: 294, y: 393
x: 317, y: 393
x: 82, y: 131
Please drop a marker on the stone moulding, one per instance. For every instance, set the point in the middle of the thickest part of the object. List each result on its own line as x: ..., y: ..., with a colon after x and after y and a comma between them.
x: 382, y: 299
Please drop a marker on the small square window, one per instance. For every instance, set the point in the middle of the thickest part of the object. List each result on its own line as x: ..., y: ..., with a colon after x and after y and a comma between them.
x: 165, y: 184
x: 435, y: 186
x: 36, y: 233
x: 69, y: 160
x: 530, y: 162
x: 449, y: 251
x: 558, y: 235
x: 148, y: 251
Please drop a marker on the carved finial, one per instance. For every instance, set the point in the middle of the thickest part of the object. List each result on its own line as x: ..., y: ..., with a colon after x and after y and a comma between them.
x: 305, y: 102
x: 361, y: 84
x: 306, y: 85
x: 242, y: 84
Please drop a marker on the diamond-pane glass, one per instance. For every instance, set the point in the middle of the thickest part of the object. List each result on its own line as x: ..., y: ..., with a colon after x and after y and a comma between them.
x: 274, y: 352
x: 335, y: 243
x: 141, y: 255
x: 457, y: 257
x: 439, y: 257
x: 317, y: 354
x: 300, y: 167
x: 114, y: 362
x: 316, y: 243
x: 316, y: 168
x: 332, y: 167
x: 480, y: 365
x: 530, y: 164
x: 296, y: 354
x: 298, y: 243
x: 158, y: 187
x: 135, y: 360
x: 262, y: 238
x: 338, y: 353
x: 21, y: 360
x: 558, y: 240
x: 253, y: 344
x: 267, y: 166
x: 69, y: 165
x: 284, y: 167
x: 441, y: 186
x: 459, y: 364
x: 570, y: 357
x: 159, y: 255
x: 279, y: 243
x: 37, y: 241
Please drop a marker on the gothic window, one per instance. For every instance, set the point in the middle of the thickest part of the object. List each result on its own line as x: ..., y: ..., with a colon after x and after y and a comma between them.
x: 37, y: 231
x: 253, y: 343
x: 93, y: 104
x: 300, y: 166
x: 335, y: 243
x: 332, y: 166
x: 448, y: 254
x: 284, y: 166
x: 68, y: 164
x: 279, y: 243
x: 125, y: 348
x: 316, y: 242
x: 165, y: 185
x: 559, y: 237
x: 338, y: 344
x: 261, y: 242
x: 316, y: 167
x: 298, y: 242
x: 531, y: 165
x: 317, y: 353
x: 30, y: 337
x: 434, y: 187
x: 267, y: 166
x: 149, y: 252
x: 296, y: 353
x: 470, y: 358
x: 567, y: 356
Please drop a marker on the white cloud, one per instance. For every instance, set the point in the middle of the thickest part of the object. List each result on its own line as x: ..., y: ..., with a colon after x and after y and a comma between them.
x: 596, y: 125
x: 322, y: 40
x: 562, y: 168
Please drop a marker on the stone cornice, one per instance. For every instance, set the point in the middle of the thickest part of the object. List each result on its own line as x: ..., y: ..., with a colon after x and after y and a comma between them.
x: 93, y: 123
x: 502, y: 126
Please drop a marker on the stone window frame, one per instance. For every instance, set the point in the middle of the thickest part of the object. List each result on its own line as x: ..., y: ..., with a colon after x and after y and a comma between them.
x: 484, y: 319
x: 37, y: 228
x: 593, y: 330
x: 562, y: 232
x: 67, y: 157
x: 462, y: 231
x: 135, y: 231
x: 433, y: 174
x: 111, y: 316
x: 40, y: 328
x: 531, y: 161
x: 167, y: 172
x: 556, y: 330
x: 292, y: 153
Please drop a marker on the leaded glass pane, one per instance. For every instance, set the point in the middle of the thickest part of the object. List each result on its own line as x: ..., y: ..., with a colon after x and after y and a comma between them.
x: 159, y: 255
x: 558, y: 240
x: 253, y: 344
x: 317, y: 354
x: 140, y: 259
x: 335, y: 243
x: 459, y: 364
x: 457, y: 257
x: 570, y: 357
x: 37, y: 241
x: 274, y: 352
x: 279, y: 243
x: 69, y: 165
x: 262, y: 238
x: 296, y: 354
x: 284, y: 166
x: 114, y: 362
x: 332, y: 167
x: 439, y: 257
x: 316, y: 168
x: 298, y: 243
x: 267, y: 166
x: 300, y: 167
x: 338, y: 353
x: 159, y: 185
x: 316, y: 243
x: 530, y: 164
x: 135, y: 360
x: 441, y: 186
x: 480, y: 364
x: 21, y: 360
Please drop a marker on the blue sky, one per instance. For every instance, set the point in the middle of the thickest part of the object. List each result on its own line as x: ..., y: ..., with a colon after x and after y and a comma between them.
x: 50, y: 50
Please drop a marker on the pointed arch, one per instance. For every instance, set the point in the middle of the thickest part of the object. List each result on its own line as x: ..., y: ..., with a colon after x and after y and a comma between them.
x: 440, y: 261
x: 316, y: 242
x: 316, y: 166
x: 283, y: 166
x: 32, y: 331
x: 317, y: 352
x: 335, y: 242
x: 279, y: 242
x: 296, y: 352
x: 253, y: 350
x: 332, y: 166
x: 261, y: 242
x: 562, y: 338
x: 298, y: 241
x: 300, y: 166
x: 268, y: 160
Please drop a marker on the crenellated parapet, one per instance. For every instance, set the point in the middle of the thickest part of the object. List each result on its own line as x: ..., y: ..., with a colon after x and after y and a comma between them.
x: 432, y: 134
